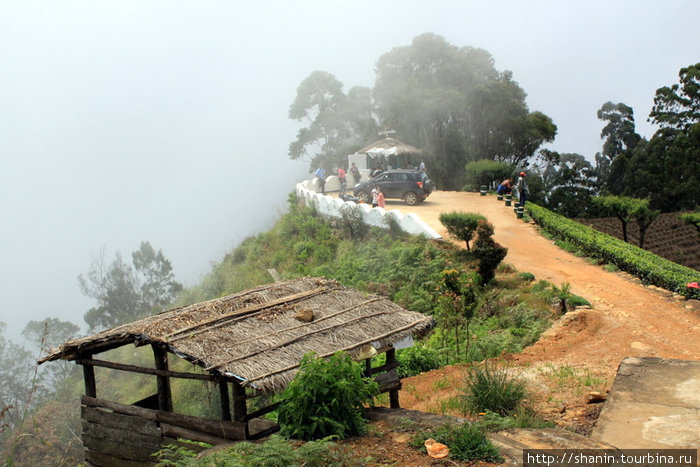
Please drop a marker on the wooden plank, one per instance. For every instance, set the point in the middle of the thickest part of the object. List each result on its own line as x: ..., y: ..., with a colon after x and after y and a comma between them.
x: 262, y: 411
x: 149, y: 371
x: 117, y: 420
x: 122, y: 435
x: 173, y: 431
x: 119, y: 449
x: 222, y: 428
x: 100, y: 459
x: 259, y: 427
x: 384, y: 368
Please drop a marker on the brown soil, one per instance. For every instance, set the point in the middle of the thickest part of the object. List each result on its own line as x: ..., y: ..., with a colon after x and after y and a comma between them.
x: 582, y: 350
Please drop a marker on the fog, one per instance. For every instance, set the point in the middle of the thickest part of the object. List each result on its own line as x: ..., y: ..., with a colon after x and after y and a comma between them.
x: 166, y: 121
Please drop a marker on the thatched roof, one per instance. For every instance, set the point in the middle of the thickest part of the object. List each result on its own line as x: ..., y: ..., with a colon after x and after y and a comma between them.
x: 255, y: 335
x: 388, y: 144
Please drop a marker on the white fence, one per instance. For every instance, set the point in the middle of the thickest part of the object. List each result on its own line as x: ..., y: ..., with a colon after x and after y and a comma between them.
x: 333, y: 207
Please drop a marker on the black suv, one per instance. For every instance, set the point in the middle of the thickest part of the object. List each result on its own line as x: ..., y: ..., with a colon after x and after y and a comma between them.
x: 412, y: 186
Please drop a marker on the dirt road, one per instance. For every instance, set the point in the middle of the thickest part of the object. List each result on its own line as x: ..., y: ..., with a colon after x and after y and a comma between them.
x: 626, y: 319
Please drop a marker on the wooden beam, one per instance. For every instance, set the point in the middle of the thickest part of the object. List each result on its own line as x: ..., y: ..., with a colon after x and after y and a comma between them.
x: 240, y: 407
x: 393, y: 393
x: 89, y: 377
x: 152, y: 371
x: 165, y: 397
x: 220, y: 428
x: 225, y: 401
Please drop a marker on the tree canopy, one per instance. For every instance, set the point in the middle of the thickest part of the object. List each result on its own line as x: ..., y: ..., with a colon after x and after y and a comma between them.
x: 124, y: 292
x: 449, y: 101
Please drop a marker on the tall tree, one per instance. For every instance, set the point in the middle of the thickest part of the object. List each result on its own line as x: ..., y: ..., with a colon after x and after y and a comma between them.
x: 569, y: 183
x: 19, y: 385
x: 124, y: 292
x: 46, y: 335
x: 159, y: 286
x: 619, y: 132
x: 452, y: 103
x: 678, y: 106
x: 335, y: 124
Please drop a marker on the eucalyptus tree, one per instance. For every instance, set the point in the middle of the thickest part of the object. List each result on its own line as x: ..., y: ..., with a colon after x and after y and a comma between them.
x: 569, y: 182
x: 126, y: 292
x: 452, y: 103
x: 335, y: 123
x: 678, y: 106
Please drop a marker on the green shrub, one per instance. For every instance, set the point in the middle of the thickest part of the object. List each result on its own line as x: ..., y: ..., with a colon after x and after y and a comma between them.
x: 275, y: 452
x: 648, y: 267
x: 487, y: 251
x: 526, y: 276
x: 466, y: 442
x: 325, y: 398
x: 351, y: 223
x: 488, y: 387
x: 417, y: 359
x: 461, y: 225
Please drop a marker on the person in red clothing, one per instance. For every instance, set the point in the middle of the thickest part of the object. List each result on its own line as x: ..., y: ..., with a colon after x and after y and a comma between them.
x: 341, y: 178
x: 380, y: 198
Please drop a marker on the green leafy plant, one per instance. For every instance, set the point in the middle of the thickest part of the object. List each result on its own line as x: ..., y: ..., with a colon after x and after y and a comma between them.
x: 461, y: 225
x: 325, y: 398
x: 648, y: 267
x: 275, y: 452
x: 466, y: 442
x: 487, y: 251
x: 457, y: 300
x: 488, y: 387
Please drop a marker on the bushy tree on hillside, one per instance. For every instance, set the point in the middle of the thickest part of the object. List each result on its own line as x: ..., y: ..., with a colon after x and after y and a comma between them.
x: 461, y: 225
x: 457, y: 107
x: 678, y: 106
x: 124, y: 292
x: 336, y: 124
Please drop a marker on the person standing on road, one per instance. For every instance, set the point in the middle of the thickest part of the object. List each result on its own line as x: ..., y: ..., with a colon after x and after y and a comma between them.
x: 355, y: 172
x: 341, y: 178
x: 375, y: 194
x: 521, y: 186
x: 321, y: 179
x: 380, y: 198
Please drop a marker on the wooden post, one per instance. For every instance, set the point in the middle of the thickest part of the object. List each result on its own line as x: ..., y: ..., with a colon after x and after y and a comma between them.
x: 225, y: 401
x: 240, y: 409
x: 165, y: 398
x: 393, y: 393
x: 89, y: 377
x: 368, y: 367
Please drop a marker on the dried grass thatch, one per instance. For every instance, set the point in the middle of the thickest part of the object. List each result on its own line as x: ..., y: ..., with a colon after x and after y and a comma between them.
x: 260, y: 335
x: 389, y: 143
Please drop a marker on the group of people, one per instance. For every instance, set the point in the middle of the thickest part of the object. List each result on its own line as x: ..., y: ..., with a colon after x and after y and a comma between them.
x: 377, y: 194
x: 506, y: 187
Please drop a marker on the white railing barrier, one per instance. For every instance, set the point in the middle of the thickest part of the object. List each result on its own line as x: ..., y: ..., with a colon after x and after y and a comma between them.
x: 333, y: 207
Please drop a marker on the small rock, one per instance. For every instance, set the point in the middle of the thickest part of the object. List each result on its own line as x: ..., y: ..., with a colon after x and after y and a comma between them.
x: 595, y: 397
x: 305, y: 314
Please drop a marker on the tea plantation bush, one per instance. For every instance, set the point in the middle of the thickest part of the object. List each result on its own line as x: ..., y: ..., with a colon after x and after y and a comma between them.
x: 650, y: 268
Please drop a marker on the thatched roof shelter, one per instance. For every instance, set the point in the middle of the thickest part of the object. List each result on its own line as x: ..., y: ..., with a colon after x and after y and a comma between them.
x: 258, y: 337
x: 389, y: 146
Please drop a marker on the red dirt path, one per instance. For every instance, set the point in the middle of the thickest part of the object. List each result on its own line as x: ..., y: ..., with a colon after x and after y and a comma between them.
x: 626, y: 319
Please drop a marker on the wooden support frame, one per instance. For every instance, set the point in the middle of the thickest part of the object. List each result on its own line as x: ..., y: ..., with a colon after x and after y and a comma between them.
x: 240, y: 407
x: 393, y: 393
x: 165, y: 397
x: 225, y: 401
x: 89, y: 377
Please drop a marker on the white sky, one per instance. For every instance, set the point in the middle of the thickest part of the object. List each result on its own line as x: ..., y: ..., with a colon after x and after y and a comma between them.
x: 166, y: 121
